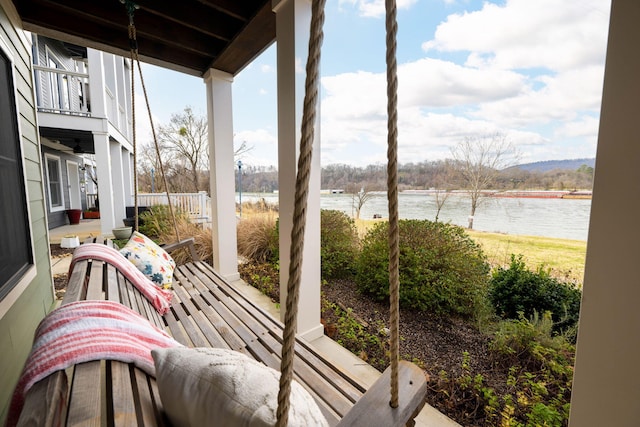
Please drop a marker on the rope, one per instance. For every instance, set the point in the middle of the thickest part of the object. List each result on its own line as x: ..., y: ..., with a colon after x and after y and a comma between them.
x: 133, y: 126
x: 300, y: 208
x: 392, y: 195
x: 133, y: 41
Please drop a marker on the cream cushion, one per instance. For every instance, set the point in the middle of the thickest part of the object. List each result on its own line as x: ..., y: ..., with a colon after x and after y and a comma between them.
x: 213, y: 386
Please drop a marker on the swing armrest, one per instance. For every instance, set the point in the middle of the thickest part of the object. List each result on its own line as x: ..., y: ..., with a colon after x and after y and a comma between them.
x: 373, y: 407
x: 188, y: 243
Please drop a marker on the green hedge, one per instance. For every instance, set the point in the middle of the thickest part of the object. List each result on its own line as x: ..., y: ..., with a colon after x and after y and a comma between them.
x: 441, y: 268
x: 339, y: 244
x: 516, y: 290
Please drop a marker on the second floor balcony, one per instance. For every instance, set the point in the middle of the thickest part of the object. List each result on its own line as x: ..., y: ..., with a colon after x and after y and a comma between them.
x: 65, y: 93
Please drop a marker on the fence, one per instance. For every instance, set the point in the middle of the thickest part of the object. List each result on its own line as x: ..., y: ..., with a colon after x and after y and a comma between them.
x: 197, y: 205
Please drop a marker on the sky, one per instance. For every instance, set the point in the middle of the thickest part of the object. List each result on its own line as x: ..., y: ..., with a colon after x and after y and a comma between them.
x: 531, y: 70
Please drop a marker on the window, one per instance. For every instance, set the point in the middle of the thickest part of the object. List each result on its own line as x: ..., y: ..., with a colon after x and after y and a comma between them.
x: 15, y: 245
x: 54, y: 179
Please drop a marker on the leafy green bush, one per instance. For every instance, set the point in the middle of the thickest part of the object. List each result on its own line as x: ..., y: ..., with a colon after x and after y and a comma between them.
x: 157, y: 221
x: 441, y: 268
x: 516, y: 290
x: 338, y: 244
x: 540, y: 371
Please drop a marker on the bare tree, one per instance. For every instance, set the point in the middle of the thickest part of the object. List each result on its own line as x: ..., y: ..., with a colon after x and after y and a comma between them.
x: 359, y: 199
x: 479, y: 160
x: 443, y: 179
x: 441, y: 196
x: 243, y: 149
x: 186, y: 137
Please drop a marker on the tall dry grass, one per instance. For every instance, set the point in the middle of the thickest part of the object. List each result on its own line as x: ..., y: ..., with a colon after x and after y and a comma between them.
x: 258, y: 237
x: 202, y: 241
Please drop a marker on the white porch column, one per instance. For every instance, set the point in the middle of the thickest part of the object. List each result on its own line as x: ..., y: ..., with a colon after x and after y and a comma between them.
x: 118, y: 183
x: 105, y: 185
x: 292, y: 37
x: 222, y: 179
x: 605, y: 386
x: 96, y: 84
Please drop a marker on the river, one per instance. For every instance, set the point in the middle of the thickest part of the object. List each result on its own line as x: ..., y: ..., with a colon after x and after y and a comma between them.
x: 548, y: 217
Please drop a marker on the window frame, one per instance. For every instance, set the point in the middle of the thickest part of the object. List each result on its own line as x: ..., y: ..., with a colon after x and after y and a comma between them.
x: 51, y: 157
x: 30, y: 272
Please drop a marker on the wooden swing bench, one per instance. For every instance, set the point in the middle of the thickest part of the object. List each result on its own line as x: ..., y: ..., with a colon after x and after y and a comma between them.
x: 207, y: 311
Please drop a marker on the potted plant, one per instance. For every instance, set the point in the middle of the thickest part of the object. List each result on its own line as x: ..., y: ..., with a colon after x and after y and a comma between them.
x: 91, y: 214
x: 74, y: 216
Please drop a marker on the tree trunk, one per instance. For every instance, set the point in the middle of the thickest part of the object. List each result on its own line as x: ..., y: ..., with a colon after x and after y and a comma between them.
x: 472, y: 214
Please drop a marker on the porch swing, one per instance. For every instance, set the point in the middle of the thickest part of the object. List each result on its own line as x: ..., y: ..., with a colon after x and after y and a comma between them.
x: 209, y: 312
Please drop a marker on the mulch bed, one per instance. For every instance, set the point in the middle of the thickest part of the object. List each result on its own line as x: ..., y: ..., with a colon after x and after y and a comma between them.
x: 436, y: 343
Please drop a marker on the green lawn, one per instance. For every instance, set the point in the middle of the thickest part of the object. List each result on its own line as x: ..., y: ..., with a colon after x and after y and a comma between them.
x: 564, y: 257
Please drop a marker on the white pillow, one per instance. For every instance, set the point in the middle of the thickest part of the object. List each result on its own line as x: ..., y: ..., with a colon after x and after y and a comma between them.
x: 214, y: 386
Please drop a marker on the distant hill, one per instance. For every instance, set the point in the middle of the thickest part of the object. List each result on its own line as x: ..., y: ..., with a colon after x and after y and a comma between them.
x: 548, y: 165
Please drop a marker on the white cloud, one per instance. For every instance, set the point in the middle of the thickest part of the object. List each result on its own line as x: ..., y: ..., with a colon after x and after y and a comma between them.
x: 144, y: 135
x: 266, y: 68
x: 264, y: 143
x: 375, y: 8
x: 528, y: 34
x: 561, y: 97
x: 263, y: 91
x: 585, y: 126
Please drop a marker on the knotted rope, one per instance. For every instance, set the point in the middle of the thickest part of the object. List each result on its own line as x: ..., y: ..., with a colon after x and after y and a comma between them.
x: 300, y: 209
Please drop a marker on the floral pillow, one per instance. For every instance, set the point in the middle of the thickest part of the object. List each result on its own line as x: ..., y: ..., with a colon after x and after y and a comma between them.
x: 153, y: 261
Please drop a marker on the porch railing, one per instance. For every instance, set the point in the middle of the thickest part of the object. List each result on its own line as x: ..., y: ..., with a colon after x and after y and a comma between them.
x: 91, y: 200
x: 197, y: 205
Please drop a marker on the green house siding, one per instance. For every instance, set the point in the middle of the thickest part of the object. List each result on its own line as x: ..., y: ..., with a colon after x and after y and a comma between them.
x: 18, y: 322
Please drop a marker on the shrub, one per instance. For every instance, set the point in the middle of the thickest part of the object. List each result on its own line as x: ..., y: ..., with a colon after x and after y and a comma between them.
x: 441, y: 269
x: 157, y: 221
x: 540, y: 368
x: 537, y: 388
x: 258, y: 238
x: 338, y: 244
x: 516, y: 290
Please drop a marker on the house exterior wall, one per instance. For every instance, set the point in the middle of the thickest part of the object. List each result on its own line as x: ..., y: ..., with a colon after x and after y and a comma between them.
x: 23, y: 308
x: 58, y: 218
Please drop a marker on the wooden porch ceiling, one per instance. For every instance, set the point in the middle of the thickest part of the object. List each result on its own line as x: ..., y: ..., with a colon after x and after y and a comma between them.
x: 191, y: 36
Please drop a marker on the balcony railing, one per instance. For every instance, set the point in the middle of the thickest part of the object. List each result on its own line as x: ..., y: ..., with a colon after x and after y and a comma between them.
x: 66, y: 92
x: 62, y: 91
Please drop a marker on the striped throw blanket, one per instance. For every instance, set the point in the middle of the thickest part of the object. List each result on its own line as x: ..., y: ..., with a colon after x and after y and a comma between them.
x: 160, y: 298
x: 83, y: 331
